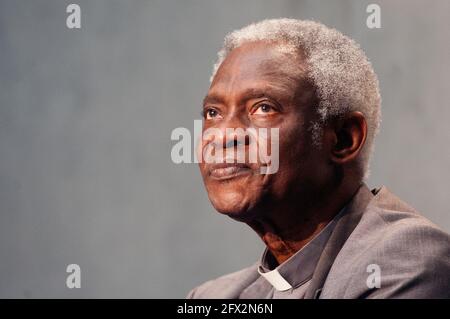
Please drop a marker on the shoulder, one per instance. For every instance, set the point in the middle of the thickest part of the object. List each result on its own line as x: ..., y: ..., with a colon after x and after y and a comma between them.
x: 410, y: 254
x: 227, y: 286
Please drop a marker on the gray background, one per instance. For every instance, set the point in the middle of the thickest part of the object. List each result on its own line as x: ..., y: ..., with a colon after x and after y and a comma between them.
x: 85, y: 123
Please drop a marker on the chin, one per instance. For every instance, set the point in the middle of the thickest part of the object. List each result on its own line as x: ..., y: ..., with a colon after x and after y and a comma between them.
x: 229, y: 203
x: 236, y: 197
x: 236, y: 205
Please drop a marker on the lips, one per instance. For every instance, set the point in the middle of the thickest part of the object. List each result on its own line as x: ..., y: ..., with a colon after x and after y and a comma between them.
x: 223, y: 171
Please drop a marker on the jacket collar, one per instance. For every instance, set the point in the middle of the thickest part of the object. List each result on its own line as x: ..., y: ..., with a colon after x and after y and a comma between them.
x: 342, y: 230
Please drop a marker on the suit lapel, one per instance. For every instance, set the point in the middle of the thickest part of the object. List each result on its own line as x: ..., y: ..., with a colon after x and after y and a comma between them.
x: 344, y: 227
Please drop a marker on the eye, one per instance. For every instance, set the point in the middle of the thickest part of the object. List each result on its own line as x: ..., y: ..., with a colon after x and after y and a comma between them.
x: 210, y: 113
x: 263, y: 109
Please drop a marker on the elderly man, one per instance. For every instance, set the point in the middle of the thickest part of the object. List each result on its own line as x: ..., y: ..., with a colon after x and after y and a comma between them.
x: 327, y: 234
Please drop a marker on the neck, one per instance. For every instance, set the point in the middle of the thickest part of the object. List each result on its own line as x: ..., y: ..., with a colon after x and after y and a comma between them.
x: 288, y: 226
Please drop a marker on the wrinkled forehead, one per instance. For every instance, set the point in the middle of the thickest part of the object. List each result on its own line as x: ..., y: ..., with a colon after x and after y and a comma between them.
x: 274, y: 64
x: 262, y: 60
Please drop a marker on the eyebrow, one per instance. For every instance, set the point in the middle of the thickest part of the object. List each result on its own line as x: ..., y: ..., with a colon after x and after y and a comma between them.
x: 212, y: 98
x: 248, y: 94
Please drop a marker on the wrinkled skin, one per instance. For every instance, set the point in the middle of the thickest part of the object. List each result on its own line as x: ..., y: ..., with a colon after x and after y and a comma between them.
x: 259, y: 85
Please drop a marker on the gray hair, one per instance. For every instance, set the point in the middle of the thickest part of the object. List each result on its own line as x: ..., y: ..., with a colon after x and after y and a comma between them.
x: 340, y: 71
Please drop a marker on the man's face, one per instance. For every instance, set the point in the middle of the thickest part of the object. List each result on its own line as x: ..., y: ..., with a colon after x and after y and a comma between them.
x: 260, y: 85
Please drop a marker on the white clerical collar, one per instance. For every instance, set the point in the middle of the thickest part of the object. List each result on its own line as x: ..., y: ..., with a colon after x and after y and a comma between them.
x: 288, y: 274
x: 275, y: 279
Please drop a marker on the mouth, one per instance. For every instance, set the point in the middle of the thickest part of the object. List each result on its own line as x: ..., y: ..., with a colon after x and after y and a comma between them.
x: 225, y: 171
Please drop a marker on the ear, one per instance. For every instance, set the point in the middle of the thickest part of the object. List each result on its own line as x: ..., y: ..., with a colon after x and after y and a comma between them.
x: 349, y: 136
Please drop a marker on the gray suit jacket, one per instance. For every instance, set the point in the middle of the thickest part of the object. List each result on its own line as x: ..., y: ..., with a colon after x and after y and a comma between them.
x: 377, y: 228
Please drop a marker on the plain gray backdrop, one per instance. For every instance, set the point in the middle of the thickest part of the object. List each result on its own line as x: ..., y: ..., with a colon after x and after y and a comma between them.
x: 86, y: 117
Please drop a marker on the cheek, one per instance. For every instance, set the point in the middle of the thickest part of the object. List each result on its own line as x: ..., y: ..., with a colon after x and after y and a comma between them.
x: 294, y: 156
x: 294, y: 144
x: 302, y: 164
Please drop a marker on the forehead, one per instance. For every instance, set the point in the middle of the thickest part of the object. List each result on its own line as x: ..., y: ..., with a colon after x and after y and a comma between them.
x: 273, y: 65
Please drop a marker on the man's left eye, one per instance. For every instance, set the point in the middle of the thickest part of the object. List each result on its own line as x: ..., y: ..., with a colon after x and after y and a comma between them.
x: 264, y: 109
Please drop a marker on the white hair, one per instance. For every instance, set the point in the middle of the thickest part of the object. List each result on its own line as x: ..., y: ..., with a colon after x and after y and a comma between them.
x: 342, y: 75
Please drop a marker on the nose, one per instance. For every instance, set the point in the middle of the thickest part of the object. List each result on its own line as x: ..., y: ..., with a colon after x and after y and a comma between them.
x: 234, y: 133
x: 235, y: 139
x: 233, y: 143
x: 228, y: 140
